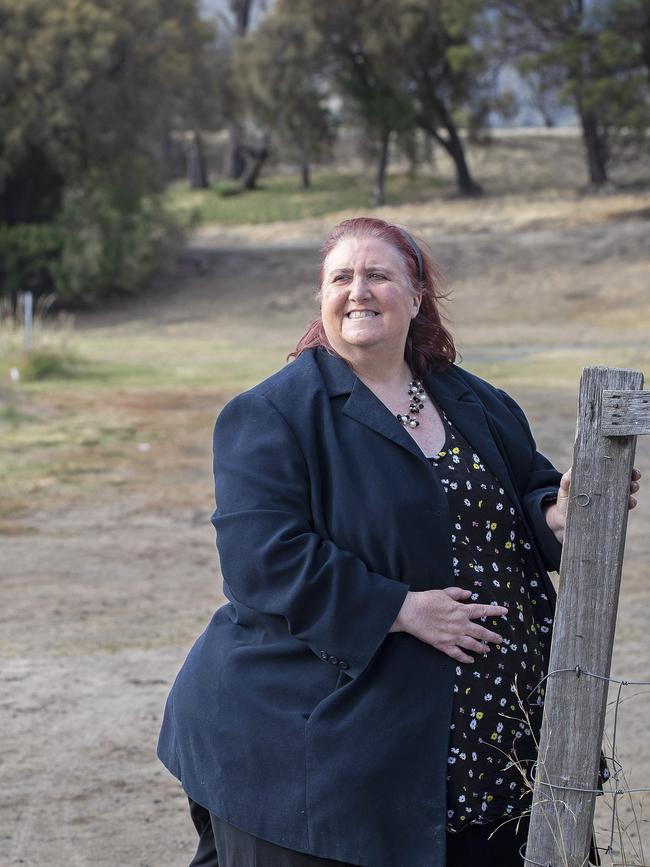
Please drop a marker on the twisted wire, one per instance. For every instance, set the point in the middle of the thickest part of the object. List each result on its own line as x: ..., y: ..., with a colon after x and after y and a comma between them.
x: 614, y: 779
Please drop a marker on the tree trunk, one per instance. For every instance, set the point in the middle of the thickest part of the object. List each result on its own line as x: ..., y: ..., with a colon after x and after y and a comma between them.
x: 547, y: 116
x: 197, y: 173
x: 595, y: 147
x: 235, y: 159
x: 255, y: 159
x: 241, y: 10
x: 453, y: 144
x: 377, y: 197
x: 465, y: 183
x: 234, y: 162
x: 305, y: 174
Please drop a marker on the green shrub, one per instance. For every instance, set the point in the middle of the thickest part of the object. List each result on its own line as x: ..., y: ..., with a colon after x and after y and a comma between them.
x: 27, y: 254
x: 97, y: 245
x: 109, y: 246
x: 14, y: 417
x: 227, y: 188
x: 43, y: 364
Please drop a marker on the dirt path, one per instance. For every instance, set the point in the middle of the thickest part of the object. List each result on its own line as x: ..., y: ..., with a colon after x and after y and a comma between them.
x: 106, y: 585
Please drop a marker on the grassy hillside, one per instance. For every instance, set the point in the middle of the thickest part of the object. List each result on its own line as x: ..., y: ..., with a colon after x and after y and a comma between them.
x: 108, y: 562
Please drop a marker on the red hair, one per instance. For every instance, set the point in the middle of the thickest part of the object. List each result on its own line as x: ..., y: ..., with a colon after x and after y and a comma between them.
x: 429, y: 346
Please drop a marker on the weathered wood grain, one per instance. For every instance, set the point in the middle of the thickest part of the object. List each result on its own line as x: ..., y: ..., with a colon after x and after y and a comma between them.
x: 625, y: 413
x: 583, y: 633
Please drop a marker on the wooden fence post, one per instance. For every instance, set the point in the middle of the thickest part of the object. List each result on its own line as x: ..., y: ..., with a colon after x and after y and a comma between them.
x: 611, y: 412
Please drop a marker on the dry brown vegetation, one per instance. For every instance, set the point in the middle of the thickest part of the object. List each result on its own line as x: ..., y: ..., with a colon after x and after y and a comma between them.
x: 108, y: 563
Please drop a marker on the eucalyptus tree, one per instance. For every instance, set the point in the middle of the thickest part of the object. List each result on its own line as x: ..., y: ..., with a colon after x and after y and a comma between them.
x: 441, y: 72
x: 280, y: 71
x: 90, y: 92
x: 404, y: 65
x: 362, y: 53
x: 239, y: 24
x: 599, y: 62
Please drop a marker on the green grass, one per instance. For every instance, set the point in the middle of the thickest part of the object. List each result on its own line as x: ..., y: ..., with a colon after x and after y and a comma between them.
x: 147, y: 362
x: 279, y: 197
x: 44, y: 364
x: 559, y: 368
x: 13, y: 417
x: 62, y: 368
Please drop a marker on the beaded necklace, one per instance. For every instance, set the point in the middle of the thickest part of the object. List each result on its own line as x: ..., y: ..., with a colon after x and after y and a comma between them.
x: 417, y: 396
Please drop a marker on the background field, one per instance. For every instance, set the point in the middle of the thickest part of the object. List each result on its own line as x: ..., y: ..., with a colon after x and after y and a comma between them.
x: 109, y: 569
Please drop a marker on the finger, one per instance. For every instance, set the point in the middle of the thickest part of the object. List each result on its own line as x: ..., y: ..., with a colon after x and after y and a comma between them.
x: 565, y: 484
x: 471, y: 644
x: 456, y: 653
x: 636, y: 474
x: 632, y: 502
x: 483, y: 634
x: 475, y: 611
x: 634, y: 487
x: 457, y: 593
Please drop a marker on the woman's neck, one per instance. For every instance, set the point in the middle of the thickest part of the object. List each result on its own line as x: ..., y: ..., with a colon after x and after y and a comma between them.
x: 381, y: 373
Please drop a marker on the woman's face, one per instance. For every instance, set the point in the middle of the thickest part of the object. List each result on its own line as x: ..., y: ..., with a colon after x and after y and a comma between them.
x: 366, y: 297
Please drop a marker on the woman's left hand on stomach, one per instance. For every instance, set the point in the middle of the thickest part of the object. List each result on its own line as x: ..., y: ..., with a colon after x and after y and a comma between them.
x: 555, y: 513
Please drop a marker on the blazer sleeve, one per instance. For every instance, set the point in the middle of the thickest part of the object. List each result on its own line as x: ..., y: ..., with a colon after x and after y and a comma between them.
x: 542, y: 485
x: 271, y: 558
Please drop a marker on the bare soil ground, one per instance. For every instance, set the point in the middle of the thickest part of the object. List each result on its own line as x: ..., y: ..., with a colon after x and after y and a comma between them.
x: 107, y: 555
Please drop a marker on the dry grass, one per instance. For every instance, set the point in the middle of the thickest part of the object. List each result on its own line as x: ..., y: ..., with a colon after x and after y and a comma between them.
x: 109, y: 569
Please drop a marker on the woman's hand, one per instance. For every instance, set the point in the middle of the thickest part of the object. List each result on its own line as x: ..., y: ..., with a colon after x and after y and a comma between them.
x: 439, y: 618
x: 555, y: 513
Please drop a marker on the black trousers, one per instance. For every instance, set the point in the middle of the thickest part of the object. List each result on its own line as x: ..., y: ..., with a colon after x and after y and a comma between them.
x: 223, y: 845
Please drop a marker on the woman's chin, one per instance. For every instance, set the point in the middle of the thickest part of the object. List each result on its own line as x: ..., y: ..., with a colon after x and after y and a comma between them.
x: 362, y: 335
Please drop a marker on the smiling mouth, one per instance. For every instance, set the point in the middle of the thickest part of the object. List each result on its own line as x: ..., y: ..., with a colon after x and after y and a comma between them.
x: 361, y: 314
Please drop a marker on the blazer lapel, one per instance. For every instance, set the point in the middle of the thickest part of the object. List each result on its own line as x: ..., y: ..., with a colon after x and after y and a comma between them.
x: 466, y: 411
x: 366, y: 408
x: 448, y: 390
x: 362, y: 405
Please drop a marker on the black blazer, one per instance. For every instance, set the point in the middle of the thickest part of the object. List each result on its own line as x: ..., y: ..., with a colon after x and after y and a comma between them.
x: 296, y: 716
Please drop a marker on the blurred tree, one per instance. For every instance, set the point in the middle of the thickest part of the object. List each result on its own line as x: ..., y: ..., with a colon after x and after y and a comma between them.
x: 235, y: 158
x: 95, y: 86
x: 624, y: 41
x: 600, y: 63
x: 280, y: 70
x: 402, y: 64
x: 630, y: 19
x: 202, y: 105
x: 544, y: 87
x: 362, y: 50
x: 441, y: 74
x: 89, y: 92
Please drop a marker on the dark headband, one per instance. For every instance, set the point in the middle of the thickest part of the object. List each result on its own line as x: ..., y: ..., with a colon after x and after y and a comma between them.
x: 416, y: 252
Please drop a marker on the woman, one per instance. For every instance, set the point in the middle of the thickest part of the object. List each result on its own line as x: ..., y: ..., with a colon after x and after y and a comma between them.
x: 385, y: 526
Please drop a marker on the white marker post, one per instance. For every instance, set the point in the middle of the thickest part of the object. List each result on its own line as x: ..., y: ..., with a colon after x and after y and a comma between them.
x: 28, y: 307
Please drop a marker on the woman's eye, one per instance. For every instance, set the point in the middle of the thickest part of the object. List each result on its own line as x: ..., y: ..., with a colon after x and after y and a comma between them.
x: 377, y: 275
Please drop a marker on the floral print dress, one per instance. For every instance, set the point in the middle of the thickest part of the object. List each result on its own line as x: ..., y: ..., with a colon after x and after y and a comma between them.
x: 495, y: 725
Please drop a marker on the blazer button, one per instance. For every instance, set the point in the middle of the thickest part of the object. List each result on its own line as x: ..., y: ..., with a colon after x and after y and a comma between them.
x: 324, y: 655
x: 334, y: 660
x: 343, y: 664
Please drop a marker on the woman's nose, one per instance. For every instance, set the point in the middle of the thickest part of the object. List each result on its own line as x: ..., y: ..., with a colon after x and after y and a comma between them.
x: 359, y: 288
